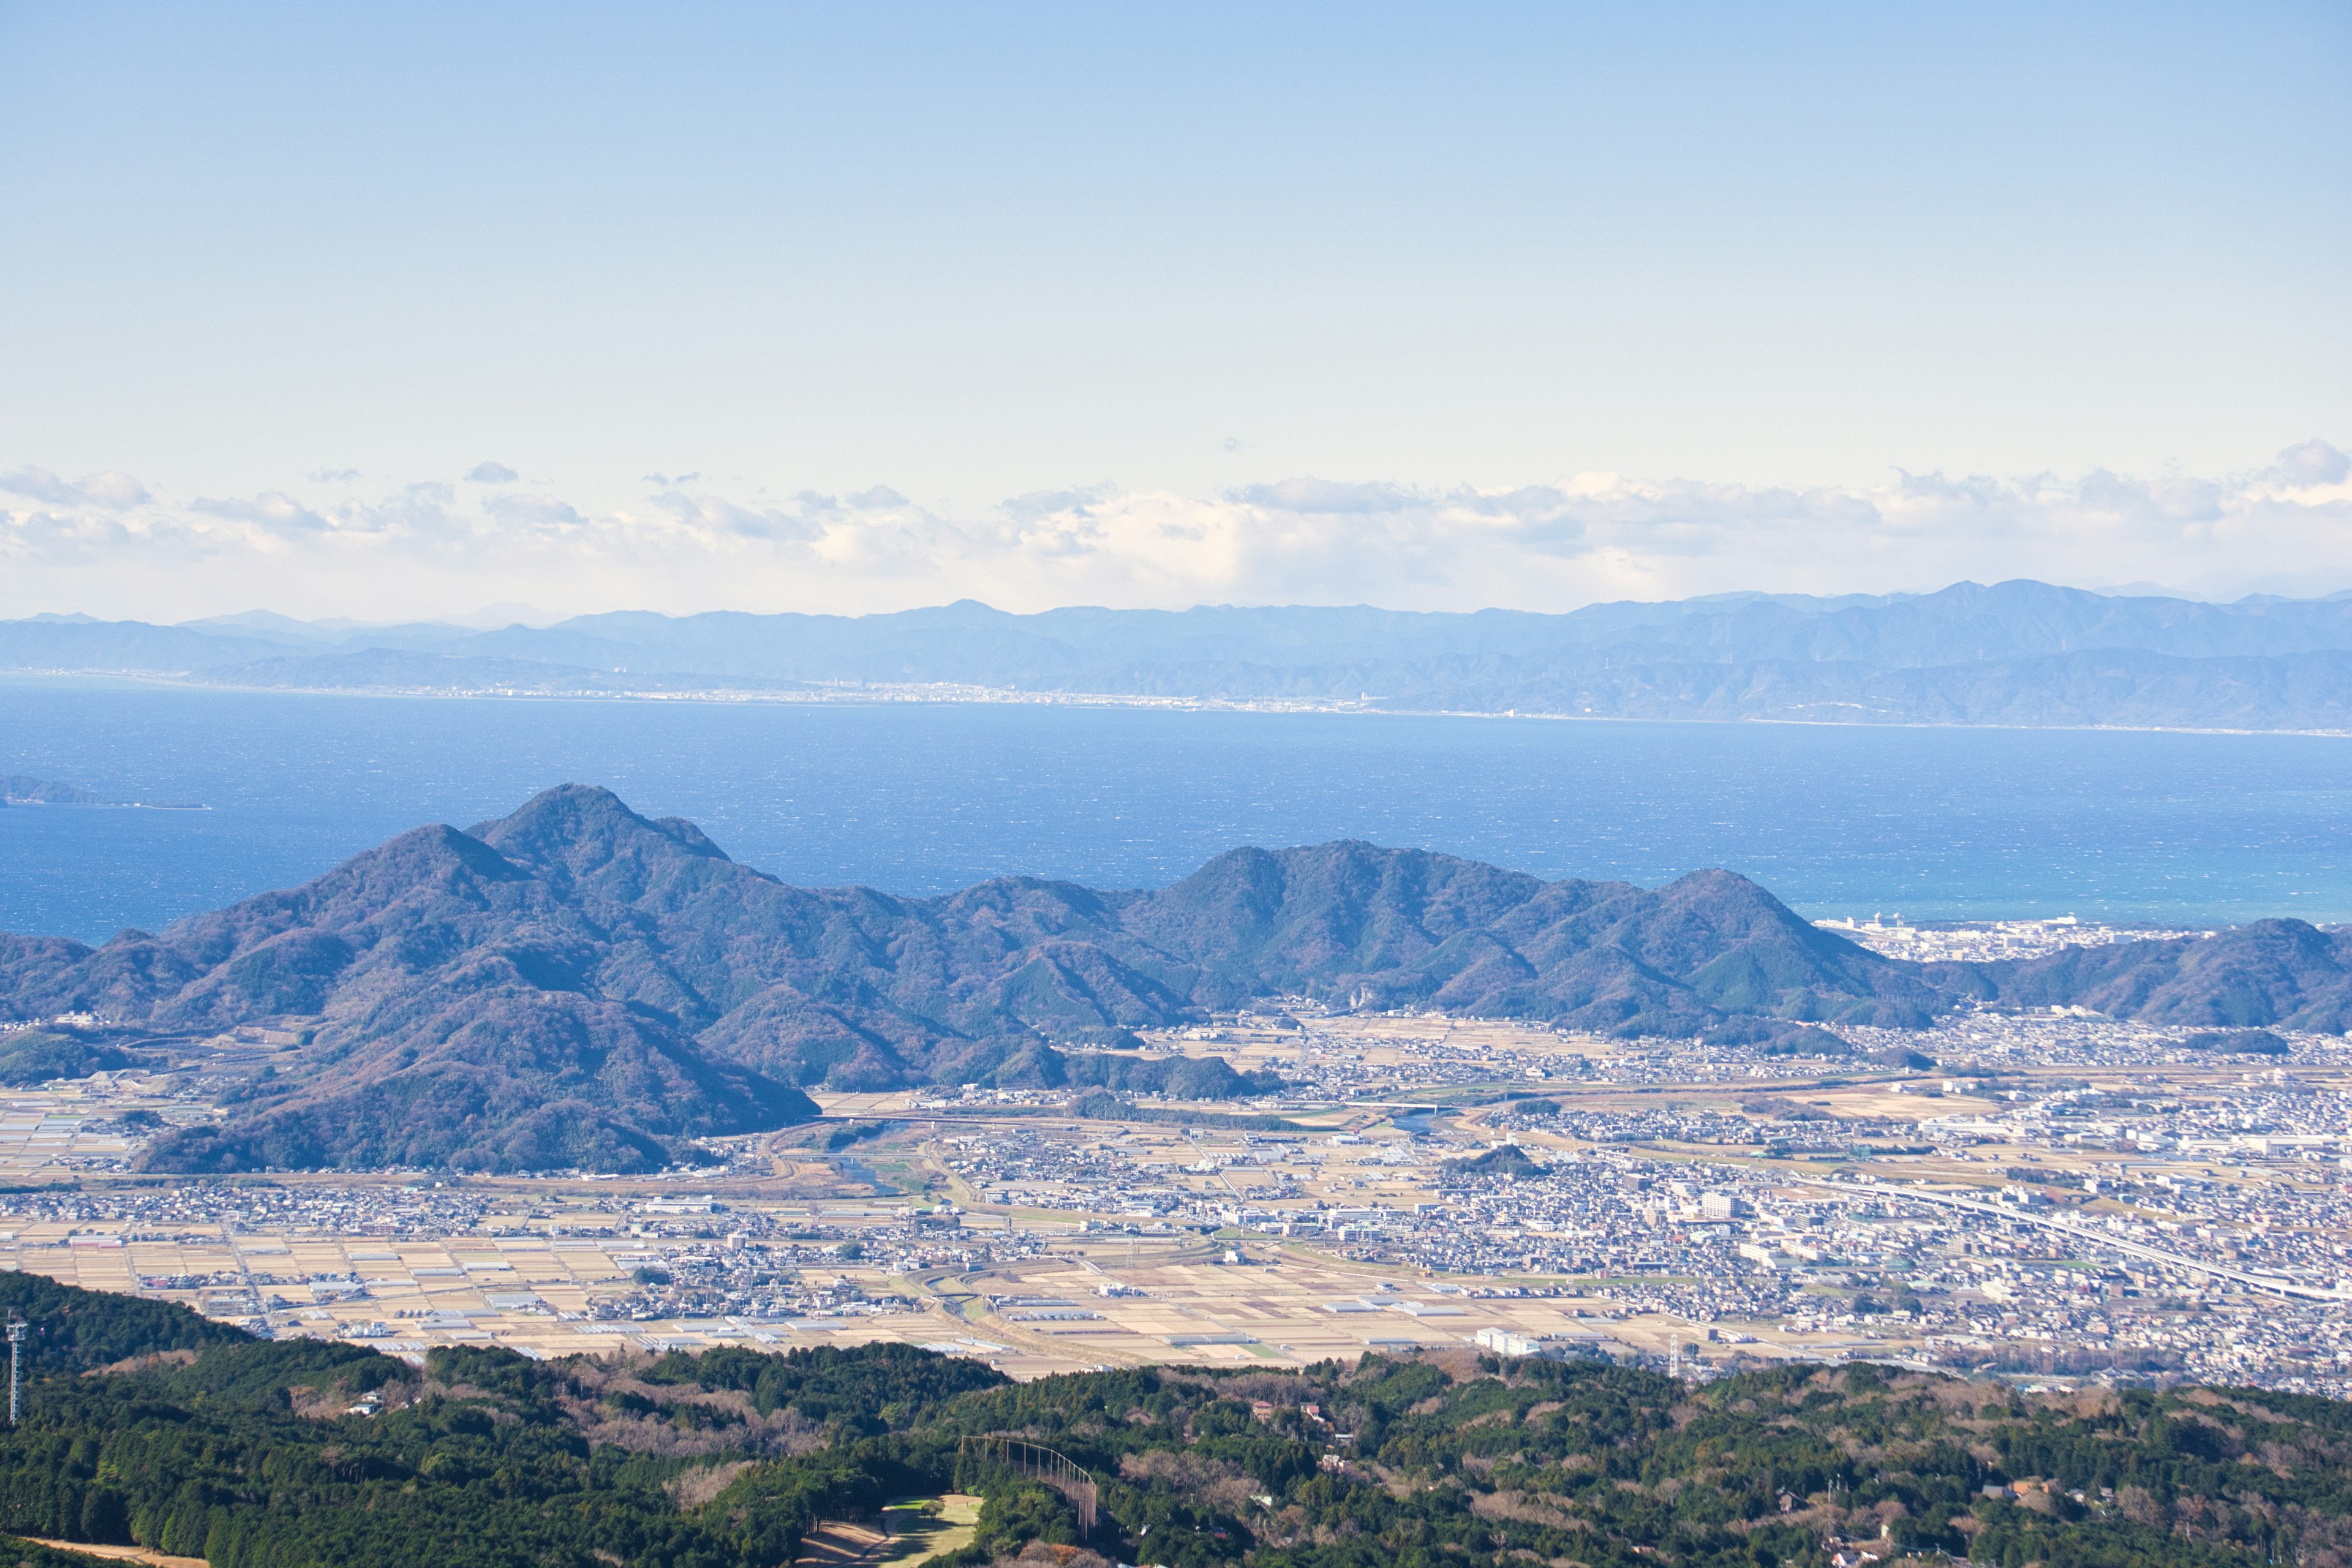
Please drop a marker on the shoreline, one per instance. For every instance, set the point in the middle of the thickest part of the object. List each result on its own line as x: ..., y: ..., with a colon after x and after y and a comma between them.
x: 951, y: 695
x: 95, y: 806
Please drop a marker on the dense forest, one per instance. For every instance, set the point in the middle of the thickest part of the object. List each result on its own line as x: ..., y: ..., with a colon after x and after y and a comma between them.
x: 197, y: 1440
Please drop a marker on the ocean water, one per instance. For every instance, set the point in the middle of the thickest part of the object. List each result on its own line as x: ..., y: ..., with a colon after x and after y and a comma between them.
x: 1931, y: 822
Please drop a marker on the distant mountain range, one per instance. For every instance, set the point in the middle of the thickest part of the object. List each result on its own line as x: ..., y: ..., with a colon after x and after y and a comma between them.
x: 2017, y: 653
x: 575, y: 985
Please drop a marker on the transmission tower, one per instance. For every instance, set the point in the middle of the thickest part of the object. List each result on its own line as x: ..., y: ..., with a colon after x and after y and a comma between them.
x: 16, y: 1332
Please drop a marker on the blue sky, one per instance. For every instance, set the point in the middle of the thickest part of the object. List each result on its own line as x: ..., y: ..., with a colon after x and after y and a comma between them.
x: 943, y: 259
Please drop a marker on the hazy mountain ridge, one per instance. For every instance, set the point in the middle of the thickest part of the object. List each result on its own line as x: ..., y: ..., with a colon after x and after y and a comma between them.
x: 2119, y: 686
x: 2019, y: 653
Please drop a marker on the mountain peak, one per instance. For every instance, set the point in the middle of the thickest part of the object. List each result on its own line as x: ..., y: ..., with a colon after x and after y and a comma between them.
x: 574, y: 822
x: 577, y: 986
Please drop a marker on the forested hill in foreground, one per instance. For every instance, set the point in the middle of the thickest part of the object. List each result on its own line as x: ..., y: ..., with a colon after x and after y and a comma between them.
x: 578, y: 986
x: 2016, y: 653
x: 308, y: 1454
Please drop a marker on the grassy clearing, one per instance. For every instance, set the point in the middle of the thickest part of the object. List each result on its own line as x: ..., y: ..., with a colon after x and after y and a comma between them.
x: 924, y: 1528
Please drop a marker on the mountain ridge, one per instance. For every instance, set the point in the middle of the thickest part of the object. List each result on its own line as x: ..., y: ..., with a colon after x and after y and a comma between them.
x: 577, y: 986
x: 2013, y: 653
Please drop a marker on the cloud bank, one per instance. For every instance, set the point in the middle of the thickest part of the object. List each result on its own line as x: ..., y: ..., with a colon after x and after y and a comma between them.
x: 108, y: 545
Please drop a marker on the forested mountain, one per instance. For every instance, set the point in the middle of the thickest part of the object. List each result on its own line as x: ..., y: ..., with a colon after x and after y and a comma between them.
x: 2014, y: 653
x: 306, y: 1454
x: 2284, y: 972
x: 575, y: 985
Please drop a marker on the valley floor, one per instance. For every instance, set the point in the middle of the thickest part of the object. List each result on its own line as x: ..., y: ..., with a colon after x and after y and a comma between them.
x: 2056, y: 1199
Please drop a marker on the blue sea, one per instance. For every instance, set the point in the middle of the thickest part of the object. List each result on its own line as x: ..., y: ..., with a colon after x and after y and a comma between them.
x: 1933, y: 823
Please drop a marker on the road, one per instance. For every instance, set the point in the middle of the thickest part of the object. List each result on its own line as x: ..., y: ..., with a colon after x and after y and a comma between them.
x: 2090, y: 1234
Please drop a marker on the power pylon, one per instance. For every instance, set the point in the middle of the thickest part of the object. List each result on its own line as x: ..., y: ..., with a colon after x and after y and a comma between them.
x: 16, y: 1332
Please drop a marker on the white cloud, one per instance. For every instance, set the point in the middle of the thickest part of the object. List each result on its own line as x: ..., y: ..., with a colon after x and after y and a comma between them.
x: 39, y: 484
x: 710, y: 519
x: 493, y: 474
x: 535, y: 513
x: 2311, y: 463
x: 111, y: 491
x: 114, y: 491
x: 107, y: 544
x: 274, y: 515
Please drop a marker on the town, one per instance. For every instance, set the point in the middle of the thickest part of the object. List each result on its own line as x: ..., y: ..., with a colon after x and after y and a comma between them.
x: 2056, y: 1198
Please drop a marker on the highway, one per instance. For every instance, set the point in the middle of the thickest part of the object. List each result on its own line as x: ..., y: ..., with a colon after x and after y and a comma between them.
x: 2088, y: 1233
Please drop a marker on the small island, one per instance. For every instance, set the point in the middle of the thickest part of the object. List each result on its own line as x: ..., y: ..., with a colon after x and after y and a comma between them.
x: 16, y: 789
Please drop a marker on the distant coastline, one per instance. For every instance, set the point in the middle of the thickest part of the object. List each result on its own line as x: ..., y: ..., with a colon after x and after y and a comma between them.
x: 18, y: 789
x: 1846, y: 817
x: 2018, y: 655
x: 953, y: 694
x: 108, y: 804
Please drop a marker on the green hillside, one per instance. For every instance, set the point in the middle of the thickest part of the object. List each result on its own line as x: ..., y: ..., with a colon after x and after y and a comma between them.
x: 283, y: 1455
